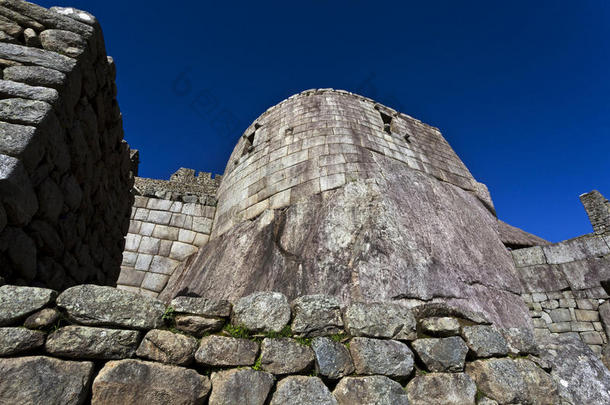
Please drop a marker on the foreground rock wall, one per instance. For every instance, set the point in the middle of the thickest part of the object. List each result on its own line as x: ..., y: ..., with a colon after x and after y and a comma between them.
x: 170, y: 220
x: 112, y: 346
x: 64, y: 168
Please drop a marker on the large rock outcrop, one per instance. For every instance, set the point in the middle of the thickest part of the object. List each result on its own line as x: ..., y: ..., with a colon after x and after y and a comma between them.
x: 364, y: 203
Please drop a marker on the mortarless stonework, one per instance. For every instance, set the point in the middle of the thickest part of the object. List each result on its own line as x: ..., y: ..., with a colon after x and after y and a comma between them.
x: 65, y: 175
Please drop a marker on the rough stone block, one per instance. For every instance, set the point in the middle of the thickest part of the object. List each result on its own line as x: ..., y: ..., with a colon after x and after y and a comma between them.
x: 239, y: 385
x: 163, y: 265
x: 154, y: 281
x: 15, y: 340
x: 586, y: 315
x: 591, y: 338
x: 168, y: 347
x: 149, y: 245
x: 560, y: 315
x: 165, y: 232
x: 316, y: 315
x: 143, y: 262
x: 159, y: 204
x: 528, y: 256
x: 85, y: 342
x: 382, y: 320
x: 384, y: 357
x: 18, y: 302
x: 370, y: 390
x: 302, y: 390
x: 442, y: 388
x: 262, y: 312
x: 285, y: 356
x: 226, y: 351
x: 159, y: 217
x: 201, y: 306
x: 181, y: 251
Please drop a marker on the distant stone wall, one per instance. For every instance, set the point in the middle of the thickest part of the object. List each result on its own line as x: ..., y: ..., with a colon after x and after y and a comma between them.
x: 262, y: 347
x: 563, y: 287
x: 598, y: 210
x: 65, y: 176
x: 319, y: 140
x: 170, y: 220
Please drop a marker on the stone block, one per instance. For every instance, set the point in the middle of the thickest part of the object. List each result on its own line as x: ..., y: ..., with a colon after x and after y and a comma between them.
x: 381, y: 320
x: 585, y: 303
x: 163, y: 265
x: 15, y: 340
x: 141, y: 214
x: 178, y: 220
x: 560, y: 327
x: 383, y: 357
x: 181, y: 251
x: 332, y: 358
x: 85, y: 342
x: 131, y: 277
x: 165, y: 232
x: 586, y: 315
x: 528, y: 256
x: 371, y: 390
x: 239, y: 385
x: 539, y: 297
x: 201, y: 306
x: 551, y: 304
x: 560, y: 315
x: 201, y: 239
x: 262, y: 312
x: 154, y: 281
x: 140, y: 201
x: 591, y: 338
x: 165, y: 248
x: 441, y: 354
x: 147, y: 228
x: 226, y: 351
x: 316, y: 315
x: 198, y: 326
x: 149, y: 245
x: 442, y: 388
x: 578, y: 326
x: 18, y: 302
x: 159, y: 204
x: 485, y: 340
x: 159, y: 217
x: 285, y: 356
x: 168, y: 347
x: 186, y: 236
x: 143, y: 262
x: 302, y: 390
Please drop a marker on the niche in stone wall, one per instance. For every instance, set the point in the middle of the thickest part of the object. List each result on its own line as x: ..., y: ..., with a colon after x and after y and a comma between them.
x: 249, y: 144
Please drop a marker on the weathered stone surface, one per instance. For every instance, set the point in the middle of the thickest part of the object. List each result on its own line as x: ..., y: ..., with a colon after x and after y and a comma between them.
x: 226, y: 351
x: 384, y: 357
x: 580, y: 376
x: 301, y: 390
x: 520, y: 340
x: 332, y: 358
x: 485, y: 340
x: 285, y: 356
x: 168, y: 347
x: 45, y: 318
x: 316, y: 315
x: 281, y: 250
x: 606, y: 356
x: 78, y: 15
x: 10, y: 89
x: 262, y: 312
x: 14, y: 340
x: 604, y: 314
x: 512, y: 381
x: 198, y: 325
x: 22, y: 111
x: 201, y: 306
x: 18, y: 140
x: 35, y: 56
x: 382, y: 320
x: 16, y: 191
x: 64, y: 42
x: 18, y: 302
x: 240, y: 386
x: 442, y: 388
x: 442, y: 354
x: 85, y: 342
x: 142, y: 382
x: 106, y: 306
x: 44, y: 380
x: 35, y: 76
x: 377, y: 389
x: 441, y: 326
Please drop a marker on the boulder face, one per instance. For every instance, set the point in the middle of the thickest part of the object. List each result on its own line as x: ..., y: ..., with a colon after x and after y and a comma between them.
x: 365, y: 216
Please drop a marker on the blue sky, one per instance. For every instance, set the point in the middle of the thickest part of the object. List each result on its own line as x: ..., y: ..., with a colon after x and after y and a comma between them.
x: 519, y: 89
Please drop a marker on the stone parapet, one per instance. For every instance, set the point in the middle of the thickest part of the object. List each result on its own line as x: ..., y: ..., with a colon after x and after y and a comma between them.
x: 199, y: 350
x: 65, y: 174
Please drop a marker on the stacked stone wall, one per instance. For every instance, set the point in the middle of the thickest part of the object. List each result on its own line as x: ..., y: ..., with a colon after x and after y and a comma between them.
x: 170, y: 220
x: 563, y: 289
x: 598, y: 210
x: 65, y: 176
x: 110, y: 346
x: 319, y: 140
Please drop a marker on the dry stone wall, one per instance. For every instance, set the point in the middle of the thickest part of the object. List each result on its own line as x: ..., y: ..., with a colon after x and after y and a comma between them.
x: 319, y: 140
x: 598, y: 210
x: 170, y: 220
x: 65, y: 176
x: 563, y: 284
x: 110, y: 346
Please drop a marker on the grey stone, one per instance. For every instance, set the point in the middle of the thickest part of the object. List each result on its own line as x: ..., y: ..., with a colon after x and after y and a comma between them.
x: 18, y: 302
x: 240, y: 386
x: 528, y: 256
x: 142, y: 382
x: 10, y: 89
x: 606, y: 356
x: 106, y: 306
x: 316, y: 315
x: 15, y: 340
x: 22, y: 111
x: 442, y: 388
x: 301, y: 390
x: 332, y: 358
x: 16, y: 191
x: 377, y: 389
x: 561, y: 315
x: 10, y: 27
x: 384, y: 357
x: 285, y: 356
x: 35, y: 76
x: 44, y: 380
x: 262, y: 312
x: 201, y: 306
x: 485, y: 340
x: 198, y: 325
x: 85, y: 342
x: 45, y: 318
x: 78, y: 15
x: 18, y: 141
x: 64, y: 42
x: 226, y: 351
x: 513, y: 381
x: 604, y: 314
x: 520, y: 340
x: 168, y: 347
x: 441, y: 354
x: 382, y: 320
x: 440, y: 326
x: 35, y: 56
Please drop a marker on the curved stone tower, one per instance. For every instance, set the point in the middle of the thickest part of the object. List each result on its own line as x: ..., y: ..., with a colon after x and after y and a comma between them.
x: 330, y: 192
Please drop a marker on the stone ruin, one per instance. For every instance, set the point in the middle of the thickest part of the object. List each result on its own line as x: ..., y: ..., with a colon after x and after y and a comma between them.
x: 345, y: 256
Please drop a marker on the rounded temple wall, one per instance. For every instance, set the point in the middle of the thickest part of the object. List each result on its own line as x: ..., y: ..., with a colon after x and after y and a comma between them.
x: 318, y: 140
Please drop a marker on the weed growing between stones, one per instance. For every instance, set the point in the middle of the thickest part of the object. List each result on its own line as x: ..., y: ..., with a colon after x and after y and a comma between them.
x: 237, y: 331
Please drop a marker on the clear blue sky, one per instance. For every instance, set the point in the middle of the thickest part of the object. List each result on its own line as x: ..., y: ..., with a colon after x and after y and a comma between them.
x: 520, y: 89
